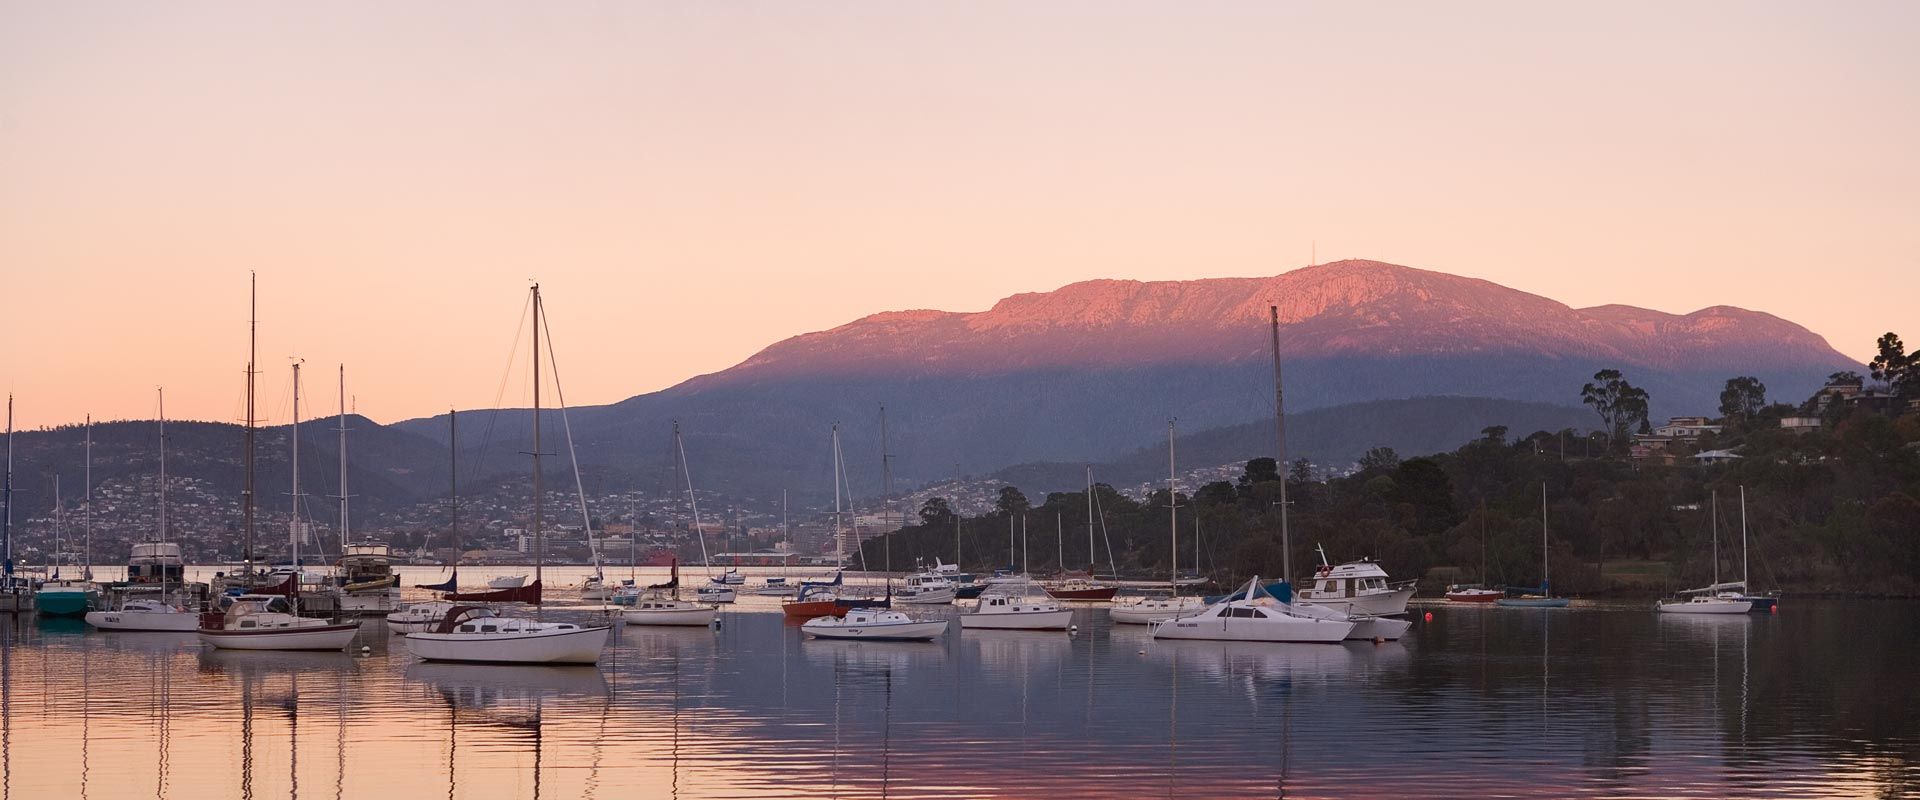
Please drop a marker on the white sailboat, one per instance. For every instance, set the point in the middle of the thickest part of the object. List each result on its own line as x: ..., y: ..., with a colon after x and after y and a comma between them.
x: 475, y: 633
x: 1709, y: 600
x: 660, y: 604
x: 155, y: 570
x: 1543, y: 596
x: 1148, y: 610
x: 874, y: 624
x: 717, y: 589
x: 273, y: 621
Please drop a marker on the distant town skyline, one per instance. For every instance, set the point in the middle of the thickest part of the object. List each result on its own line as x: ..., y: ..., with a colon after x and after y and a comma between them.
x: 693, y: 183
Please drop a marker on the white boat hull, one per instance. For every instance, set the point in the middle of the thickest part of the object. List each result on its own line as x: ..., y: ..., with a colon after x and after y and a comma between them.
x: 1019, y: 620
x: 572, y: 646
x: 160, y: 621
x: 375, y: 602
x: 320, y: 637
x: 1383, y: 628
x: 1149, y: 612
x: 670, y: 616
x: 1707, y: 607
x: 1384, y: 604
x: 710, y: 595
x: 1235, y: 629
x: 905, y: 631
x: 930, y: 597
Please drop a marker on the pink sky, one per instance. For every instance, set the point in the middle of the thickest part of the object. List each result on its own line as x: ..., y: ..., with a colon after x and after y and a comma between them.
x: 694, y: 180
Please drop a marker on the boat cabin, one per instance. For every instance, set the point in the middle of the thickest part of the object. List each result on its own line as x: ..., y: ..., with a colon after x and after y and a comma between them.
x: 1352, y: 579
x: 156, y: 562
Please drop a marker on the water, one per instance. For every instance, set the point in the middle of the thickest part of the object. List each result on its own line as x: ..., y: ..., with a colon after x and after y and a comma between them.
x: 1816, y: 701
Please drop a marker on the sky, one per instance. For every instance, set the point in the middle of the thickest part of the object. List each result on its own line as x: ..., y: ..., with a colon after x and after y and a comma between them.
x: 692, y: 181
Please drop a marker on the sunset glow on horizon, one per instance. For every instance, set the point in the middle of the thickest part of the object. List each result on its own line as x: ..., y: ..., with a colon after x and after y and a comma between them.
x: 691, y: 182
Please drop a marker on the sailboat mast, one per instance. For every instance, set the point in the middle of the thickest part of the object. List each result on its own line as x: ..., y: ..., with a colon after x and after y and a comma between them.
x: 453, y: 480
x: 1092, y: 560
x: 1743, y: 541
x: 839, y: 558
x: 163, y: 465
x: 886, y: 488
x: 345, y: 528
x: 6, y: 499
x: 539, y: 534
x: 1280, y: 450
x: 59, y: 526
x: 1714, y: 500
x: 247, y: 494
x: 87, y: 574
x: 1173, y: 518
x: 293, y: 523
x: 1060, y: 543
x: 1545, y: 583
x: 693, y: 504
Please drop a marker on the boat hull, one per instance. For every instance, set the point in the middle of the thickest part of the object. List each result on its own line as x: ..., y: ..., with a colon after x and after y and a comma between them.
x: 1388, y: 629
x: 895, y: 632
x: 1293, y: 629
x: 1473, y: 597
x: 1149, y: 613
x: 379, y: 601
x: 1019, y: 621
x: 161, y: 621
x: 969, y: 592
x: 1708, y: 607
x: 1532, y: 602
x: 575, y: 646
x: 670, y: 616
x: 811, y: 609
x: 716, y: 595
x: 1762, y: 605
x: 1384, y: 604
x: 930, y: 597
x: 318, y: 637
x: 1100, y: 593
x: 529, y: 594
x: 63, y: 603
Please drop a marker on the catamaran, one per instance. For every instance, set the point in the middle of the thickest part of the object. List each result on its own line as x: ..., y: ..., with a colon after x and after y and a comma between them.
x: 1253, y: 615
x: 477, y: 634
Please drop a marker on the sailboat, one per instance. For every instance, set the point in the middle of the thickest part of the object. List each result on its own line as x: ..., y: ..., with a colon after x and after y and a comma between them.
x: 1077, y: 586
x: 16, y: 594
x: 1541, y: 597
x: 1477, y: 593
x: 1254, y: 615
x: 661, y: 605
x: 148, y: 601
x: 1148, y: 610
x: 62, y: 596
x: 420, y: 616
x: 1764, y: 602
x: 365, y: 576
x: 272, y: 621
x: 716, y: 589
x: 476, y: 633
x: 1708, y: 600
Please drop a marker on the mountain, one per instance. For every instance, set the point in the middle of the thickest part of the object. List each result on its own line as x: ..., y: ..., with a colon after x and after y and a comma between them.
x: 1088, y: 371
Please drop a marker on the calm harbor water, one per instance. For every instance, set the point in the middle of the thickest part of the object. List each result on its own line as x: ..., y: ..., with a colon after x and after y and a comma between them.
x: 1816, y: 701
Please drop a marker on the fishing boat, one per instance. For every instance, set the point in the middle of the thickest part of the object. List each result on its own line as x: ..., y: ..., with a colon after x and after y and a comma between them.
x: 272, y: 622
x: 1356, y: 587
x: 1714, y: 599
x: 477, y: 634
x: 1151, y: 609
x: 1541, y: 597
x: 661, y: 605
x: 1253, y: 615
x: 874, y: 625
x: 1017, y: 606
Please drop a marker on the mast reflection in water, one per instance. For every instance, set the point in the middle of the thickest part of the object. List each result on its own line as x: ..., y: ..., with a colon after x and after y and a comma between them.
x: 1815, y: 702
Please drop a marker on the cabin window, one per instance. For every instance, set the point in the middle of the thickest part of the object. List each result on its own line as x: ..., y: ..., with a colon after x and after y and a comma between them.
x: 246, y: 623
x: 489, y: 628
x: 466, y: 629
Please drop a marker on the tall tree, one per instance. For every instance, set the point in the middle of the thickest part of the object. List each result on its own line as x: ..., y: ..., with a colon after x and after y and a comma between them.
x: 1621, y: 405
x: 1743, y: 397
x: 1011, y: 501
x: 1894, y: 365
x: 936, y: 511
x: 1381, y: 458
